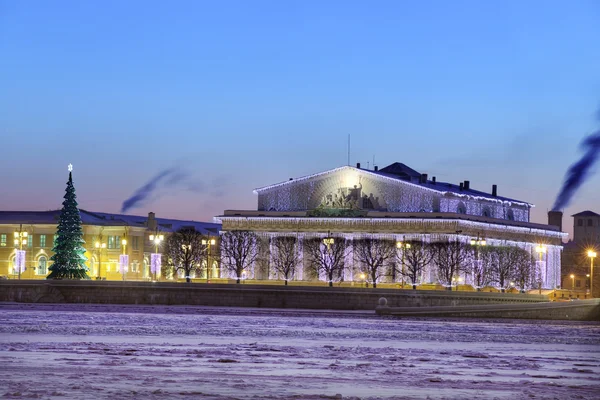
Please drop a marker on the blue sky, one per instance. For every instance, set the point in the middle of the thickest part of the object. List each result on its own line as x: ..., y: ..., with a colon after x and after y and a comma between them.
x: 249, y: 93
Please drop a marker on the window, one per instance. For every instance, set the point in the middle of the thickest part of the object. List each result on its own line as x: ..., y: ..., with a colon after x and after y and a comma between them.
x: 461, y: 208
x: 3, y: 240
x: 30, y: 241
x: 579, y: 222
x: 590, y: 222
x: 42, y: 240
x: 135, y: 244
x: 54, y: 240
x: 510, y: 215
x: 135, y: 266
x: 577, y: 283
x: 114, y: 242
x: 487, y: 212
x: 42, y: 264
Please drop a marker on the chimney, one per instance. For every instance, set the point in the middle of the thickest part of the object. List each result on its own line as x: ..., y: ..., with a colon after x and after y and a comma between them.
x: 461, y: 186
x: 423, y: 178
x: 151, y: 221
x: 494, y: 190
x: 433, y: 180
x: 555, y: 219
x: 357, y: 165
x: 467, y: 185
x: 376, y: 168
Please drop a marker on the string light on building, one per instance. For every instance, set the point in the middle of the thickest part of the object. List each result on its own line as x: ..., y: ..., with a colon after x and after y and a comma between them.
x: 21, y: 238
x: 155, y: 258
x: 124, y: 259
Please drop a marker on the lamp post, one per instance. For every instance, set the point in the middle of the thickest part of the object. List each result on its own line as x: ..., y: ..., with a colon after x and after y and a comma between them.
x: 20, y: 241
x: 329, y: 241
x: 476, y: 243
x: 186, y: 249
x: 587, y: 282
x: 208, y: 242
x: 572, y: 281
x: 99, y: 247
x: 541, y: 250
x: 124, y: 259
x: 403, y: 245
x: 155, y: 261
x: 591, y: 254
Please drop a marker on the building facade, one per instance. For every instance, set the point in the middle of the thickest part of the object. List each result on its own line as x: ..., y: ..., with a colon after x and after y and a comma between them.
x: 106, y: 236
x: 397, y: 203
x: 580, y: 254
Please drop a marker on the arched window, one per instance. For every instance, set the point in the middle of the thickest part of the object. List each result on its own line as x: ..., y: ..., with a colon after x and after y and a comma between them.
x: 461, y: 208
x: 590, y: 222
x: 486, y: 212
x: 510, y: 215
x: 42, y: 265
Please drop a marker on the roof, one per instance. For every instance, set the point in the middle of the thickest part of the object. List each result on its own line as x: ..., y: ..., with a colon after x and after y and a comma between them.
x: 106, y: 219
x: 400, y: 172
x: 586, y: 213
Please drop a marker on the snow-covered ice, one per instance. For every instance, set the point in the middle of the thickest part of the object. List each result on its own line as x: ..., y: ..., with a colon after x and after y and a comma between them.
x: 123, y: 352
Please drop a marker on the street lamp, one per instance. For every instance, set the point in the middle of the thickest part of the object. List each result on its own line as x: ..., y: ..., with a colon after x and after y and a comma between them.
x: 208, y: 243
x: 186, y: 249
x: 541, y: 250
x: 99, y: 247
x: 476, y: 243
x: 329, y: 241
x: 591, y: 254
x: 155, y: 261
x: 20, y: 241
x: 124, y: 259
x: 362, y: 279
x: 403, y: 246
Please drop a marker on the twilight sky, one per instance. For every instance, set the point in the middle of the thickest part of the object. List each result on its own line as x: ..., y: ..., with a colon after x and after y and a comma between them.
x: 248, y: 93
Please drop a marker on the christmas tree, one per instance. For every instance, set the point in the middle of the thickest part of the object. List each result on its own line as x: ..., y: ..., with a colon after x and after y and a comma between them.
x: 69, y: 255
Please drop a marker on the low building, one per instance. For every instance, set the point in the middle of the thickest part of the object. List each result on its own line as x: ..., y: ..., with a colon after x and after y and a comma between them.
x: 104, y: 236
x: 581, y: 253
x: 398, y: 203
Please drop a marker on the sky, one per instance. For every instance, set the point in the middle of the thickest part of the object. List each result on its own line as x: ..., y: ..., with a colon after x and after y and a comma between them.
x: 243, y: 94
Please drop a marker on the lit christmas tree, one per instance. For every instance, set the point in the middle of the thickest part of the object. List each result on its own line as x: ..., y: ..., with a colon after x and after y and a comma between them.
x: 69, y: 255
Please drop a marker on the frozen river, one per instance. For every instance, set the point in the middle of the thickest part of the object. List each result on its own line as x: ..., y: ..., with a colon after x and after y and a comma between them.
x: 123, y: 352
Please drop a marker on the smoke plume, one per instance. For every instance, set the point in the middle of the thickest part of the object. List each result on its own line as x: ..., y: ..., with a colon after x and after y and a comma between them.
x: 168, y: 178
x: 579, y: 172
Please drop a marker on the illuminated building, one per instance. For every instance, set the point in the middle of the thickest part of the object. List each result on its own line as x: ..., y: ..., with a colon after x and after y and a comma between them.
x: 397, y: 203
x: 104, y: 235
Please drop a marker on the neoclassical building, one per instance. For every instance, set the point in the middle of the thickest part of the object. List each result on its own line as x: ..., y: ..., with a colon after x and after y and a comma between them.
x: 395, y: 202
x: 109, y: 231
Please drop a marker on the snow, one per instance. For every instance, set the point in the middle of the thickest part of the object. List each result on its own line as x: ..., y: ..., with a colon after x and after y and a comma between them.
x: 123, y: 352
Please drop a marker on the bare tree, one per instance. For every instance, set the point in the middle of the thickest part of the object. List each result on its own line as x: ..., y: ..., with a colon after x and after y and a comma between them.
x: 523, y: 272
x: 510, y: 260
x: 284, y: 256
x: 327, y: 258
x: 451, y: 258
x: 372, y: 256
x: 482, y: 265
x: 184, y: 251
x: 415, y: 256
x: 238, y: 251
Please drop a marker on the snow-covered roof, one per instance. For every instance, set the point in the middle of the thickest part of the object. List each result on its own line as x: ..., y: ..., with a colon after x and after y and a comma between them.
x: 402, y: 173
x: 106, y: 219
x: 586, y: 213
